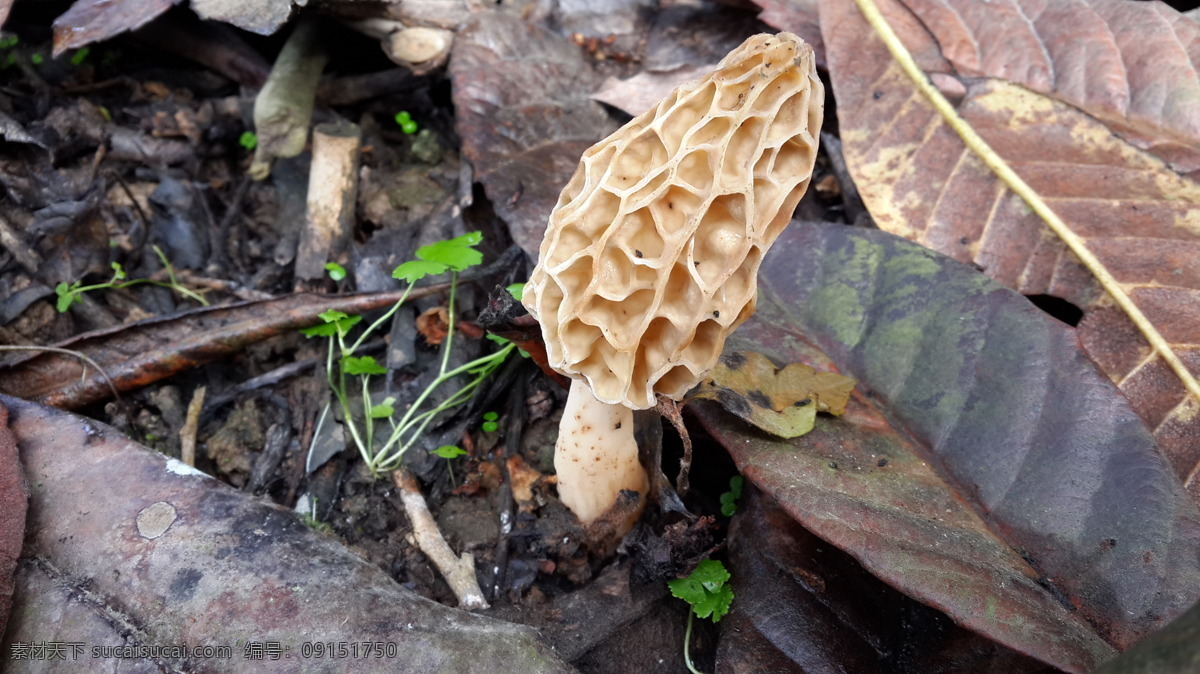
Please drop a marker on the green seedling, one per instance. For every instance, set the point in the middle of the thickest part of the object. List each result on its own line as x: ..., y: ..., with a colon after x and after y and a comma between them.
x: 707, y: 590
x: 729, y: 499
x: 72, y: 293
x: 9, y: 41
x: 453, y: 256
x: 36, y: 58
x: 517, y: 290
x: 405, y: 120
x: 489, y: 422
x: 248, y: 140
x: 449, y: 451
x: 336, y: 271
x: 80, y: 56
x: 312, y: 522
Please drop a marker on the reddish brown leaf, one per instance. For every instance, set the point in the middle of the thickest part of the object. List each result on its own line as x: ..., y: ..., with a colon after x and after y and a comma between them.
x: 89, y: 21
x: 800, y: 604
x: 184, y: 559
x: 1134, y: 213
x: 432, y: 324
x: 14, y: 497
x: 987, y: 468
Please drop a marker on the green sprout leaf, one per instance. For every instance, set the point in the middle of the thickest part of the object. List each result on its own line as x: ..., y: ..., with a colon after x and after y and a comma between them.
x: 67, y: 295
x: 706, y: 589
x: 362, y: 365
x: 248, y: 140
x: 36, y: 58
x: 729, y: 499
x: 336, y: 271
x: 336, y: 323
x: 118, y: 271
x: 457, y: 253
x: 80, y: 56
x: 405, y: 120
x: 415, y: 270
x: 384, y: 409
x: 9, y: 42
x: 449, y: 451
x: 490, y: 416
x: 517, y: 290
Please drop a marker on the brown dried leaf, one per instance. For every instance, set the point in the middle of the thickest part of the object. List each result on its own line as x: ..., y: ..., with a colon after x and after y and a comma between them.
x: 183, y: 558
x: 88, y: 21
x: 1136, y: 214
x: 782, y: 402
x: 644, y: 90
x: 1132, y: 65
x: 524, y: 115
x: 432, y: 324
x: 14, y: 498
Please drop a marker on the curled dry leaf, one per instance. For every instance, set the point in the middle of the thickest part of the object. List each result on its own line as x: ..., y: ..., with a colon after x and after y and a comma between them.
x: 432, y: 324
x: 1135, y: 213
x: 782, y: 402
x: 185, y: 559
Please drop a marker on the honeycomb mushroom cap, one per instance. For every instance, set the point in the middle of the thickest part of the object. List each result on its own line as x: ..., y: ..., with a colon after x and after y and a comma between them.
x: 651, y: 255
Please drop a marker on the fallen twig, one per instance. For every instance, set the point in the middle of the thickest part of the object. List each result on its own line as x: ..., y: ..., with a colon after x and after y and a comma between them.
x: 187, y: 434
x: 459, y: 571
x: 332, y: 195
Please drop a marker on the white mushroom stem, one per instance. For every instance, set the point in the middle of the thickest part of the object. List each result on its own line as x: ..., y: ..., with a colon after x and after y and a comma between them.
x: 596, y: 455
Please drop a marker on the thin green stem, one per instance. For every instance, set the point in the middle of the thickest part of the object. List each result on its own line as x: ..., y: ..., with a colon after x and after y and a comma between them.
x: 489, y: 363
x: 687, y: 641
x: 450, y: 322
x: 368, y: 420
x: 376, y: 324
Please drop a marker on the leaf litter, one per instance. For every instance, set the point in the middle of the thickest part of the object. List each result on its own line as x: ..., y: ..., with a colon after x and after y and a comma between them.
x: 523, y: 88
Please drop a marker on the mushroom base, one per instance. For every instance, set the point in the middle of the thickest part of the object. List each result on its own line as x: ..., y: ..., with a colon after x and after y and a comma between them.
x: 596, y: 456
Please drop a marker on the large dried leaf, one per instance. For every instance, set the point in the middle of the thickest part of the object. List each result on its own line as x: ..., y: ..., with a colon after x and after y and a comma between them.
x: 987, y: 468
x: 88, y: 21
x: 14, y: 499
x: 182, y: 558
x: 1140, y: 218
x: 1131, y: 64
x: 802, y: 604
x: 521, y: 94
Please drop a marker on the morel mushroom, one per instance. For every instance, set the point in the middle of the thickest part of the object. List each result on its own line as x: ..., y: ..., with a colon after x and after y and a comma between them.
x: 651, y: 255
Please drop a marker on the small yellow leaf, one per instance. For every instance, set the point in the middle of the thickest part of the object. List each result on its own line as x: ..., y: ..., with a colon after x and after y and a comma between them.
x: 782, y: 402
